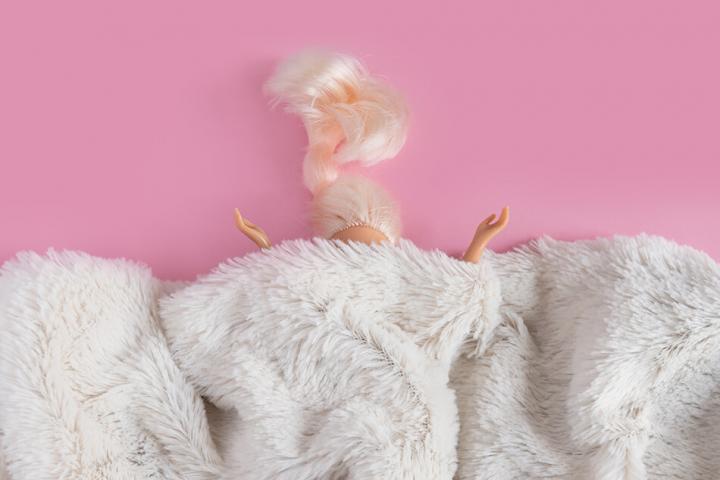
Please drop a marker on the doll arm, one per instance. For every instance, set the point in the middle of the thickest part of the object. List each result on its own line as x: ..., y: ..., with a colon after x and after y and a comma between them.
x: 252, y: 231
x: 484, y: 233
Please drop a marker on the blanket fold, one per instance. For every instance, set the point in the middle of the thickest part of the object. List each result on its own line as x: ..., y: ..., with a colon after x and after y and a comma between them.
x: 89, y: 388
x: 605, y: 366
x: 336, y: 357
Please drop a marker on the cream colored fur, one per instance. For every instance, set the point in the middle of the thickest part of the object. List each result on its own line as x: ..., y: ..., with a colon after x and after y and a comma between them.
x: 331, y: 371
x: 318, y: 360
x: 606, y: 366
x: 89, y: 389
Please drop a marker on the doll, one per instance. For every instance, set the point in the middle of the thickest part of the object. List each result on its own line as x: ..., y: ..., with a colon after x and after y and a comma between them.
x: 349, y: 115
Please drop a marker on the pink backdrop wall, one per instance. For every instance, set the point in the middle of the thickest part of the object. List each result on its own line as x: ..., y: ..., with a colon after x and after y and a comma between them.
x: 133, y: 128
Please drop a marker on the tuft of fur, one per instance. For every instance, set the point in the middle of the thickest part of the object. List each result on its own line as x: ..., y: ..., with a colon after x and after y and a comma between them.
x: 349, y: 115
x: 89, y: 387
x: 605, y: 366
x: 333, y: 358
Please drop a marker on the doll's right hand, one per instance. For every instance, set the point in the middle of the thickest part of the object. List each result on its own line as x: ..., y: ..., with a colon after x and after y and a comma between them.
x: 252, y: 231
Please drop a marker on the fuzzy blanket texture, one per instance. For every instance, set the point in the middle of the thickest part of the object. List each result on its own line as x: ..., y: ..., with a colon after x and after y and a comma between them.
x: 320, y: 360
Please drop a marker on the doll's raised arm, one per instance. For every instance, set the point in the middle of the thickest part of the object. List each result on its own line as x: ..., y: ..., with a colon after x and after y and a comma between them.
x: 252, y: 231
x: 484, y: 233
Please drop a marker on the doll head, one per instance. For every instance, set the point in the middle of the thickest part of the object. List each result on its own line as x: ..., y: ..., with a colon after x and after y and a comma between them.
x: 348, y: 115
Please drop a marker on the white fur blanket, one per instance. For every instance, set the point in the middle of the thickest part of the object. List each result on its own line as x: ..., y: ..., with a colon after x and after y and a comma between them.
x: 321, y: 360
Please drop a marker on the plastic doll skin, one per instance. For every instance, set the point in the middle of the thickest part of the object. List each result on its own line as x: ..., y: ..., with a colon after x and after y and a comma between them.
x: 484, y: 233
x: 357, y: 233
x: 362, y: 233
x: 256, y: 234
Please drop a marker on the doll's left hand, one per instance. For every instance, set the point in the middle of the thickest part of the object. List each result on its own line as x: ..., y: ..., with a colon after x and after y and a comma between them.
x: 487, y: 230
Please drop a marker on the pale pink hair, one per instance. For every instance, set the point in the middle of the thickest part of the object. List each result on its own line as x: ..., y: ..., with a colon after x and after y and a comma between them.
x: 348, y: 115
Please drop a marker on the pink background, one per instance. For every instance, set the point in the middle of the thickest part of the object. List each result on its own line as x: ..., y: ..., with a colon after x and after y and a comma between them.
x: 133, y: 128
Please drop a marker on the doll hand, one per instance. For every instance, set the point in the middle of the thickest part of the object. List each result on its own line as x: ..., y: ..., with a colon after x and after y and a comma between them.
x: 252, y: 231
x: 484, y: 233
x: 487, y: 229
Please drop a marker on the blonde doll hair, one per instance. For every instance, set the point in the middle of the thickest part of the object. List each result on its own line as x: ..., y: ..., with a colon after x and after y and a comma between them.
x: 348, y: 115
